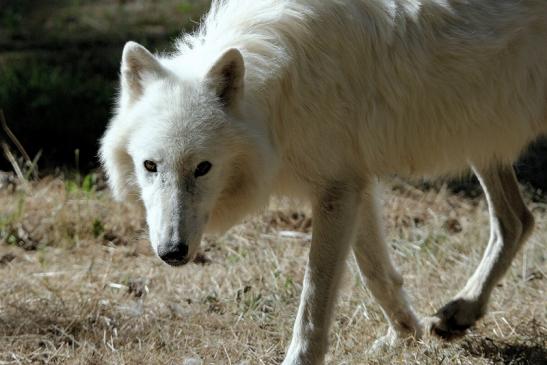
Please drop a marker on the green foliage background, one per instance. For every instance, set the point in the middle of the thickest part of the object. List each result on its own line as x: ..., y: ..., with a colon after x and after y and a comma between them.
x: 58, y: 106
x: 59, y: 65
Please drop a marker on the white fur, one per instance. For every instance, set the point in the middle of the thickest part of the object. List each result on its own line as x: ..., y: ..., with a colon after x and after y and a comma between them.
x: 318, y: 98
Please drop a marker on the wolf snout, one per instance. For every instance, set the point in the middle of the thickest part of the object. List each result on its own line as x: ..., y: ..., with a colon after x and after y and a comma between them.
x: 174, y: 253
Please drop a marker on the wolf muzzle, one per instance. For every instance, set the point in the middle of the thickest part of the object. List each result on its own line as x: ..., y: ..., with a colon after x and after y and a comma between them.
x: 174, y: 253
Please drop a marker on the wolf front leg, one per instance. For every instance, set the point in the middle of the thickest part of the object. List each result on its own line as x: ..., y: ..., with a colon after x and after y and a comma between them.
x: 334, y: 216
x: 510, y: 225
x: 380, y: 276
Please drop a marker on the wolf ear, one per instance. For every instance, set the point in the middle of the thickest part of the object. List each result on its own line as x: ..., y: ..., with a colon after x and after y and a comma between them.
x: 226, y: 77
x: 138, y: 67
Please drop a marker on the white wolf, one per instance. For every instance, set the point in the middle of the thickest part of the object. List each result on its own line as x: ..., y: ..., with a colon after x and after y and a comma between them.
x: 318, y: 99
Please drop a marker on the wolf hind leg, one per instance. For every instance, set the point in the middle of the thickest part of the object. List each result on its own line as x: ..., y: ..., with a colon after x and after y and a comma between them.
x: 511, y: 223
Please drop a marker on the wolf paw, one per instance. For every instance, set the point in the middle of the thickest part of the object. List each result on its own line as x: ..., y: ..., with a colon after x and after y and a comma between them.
x: 383, y: 343
x: 454, y: 318
x: 394, y: 338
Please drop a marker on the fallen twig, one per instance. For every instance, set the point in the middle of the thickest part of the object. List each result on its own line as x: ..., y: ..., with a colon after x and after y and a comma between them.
x: 32, y: 164
x: 14, y: 165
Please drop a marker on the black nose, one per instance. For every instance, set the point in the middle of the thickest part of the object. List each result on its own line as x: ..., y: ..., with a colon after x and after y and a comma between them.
x: 174, y: 253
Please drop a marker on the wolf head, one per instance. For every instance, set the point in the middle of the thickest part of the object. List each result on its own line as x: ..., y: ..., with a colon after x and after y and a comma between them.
x: 187, y: 144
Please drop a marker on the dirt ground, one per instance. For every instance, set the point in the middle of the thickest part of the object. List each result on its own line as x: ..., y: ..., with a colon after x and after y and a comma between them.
x: 79, y: 284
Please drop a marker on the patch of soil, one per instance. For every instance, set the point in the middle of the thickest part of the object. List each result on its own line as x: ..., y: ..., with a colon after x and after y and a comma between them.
x: 530, y: 350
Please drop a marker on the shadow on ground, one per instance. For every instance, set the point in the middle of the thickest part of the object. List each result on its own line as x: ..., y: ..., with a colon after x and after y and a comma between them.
x: 531, y: 350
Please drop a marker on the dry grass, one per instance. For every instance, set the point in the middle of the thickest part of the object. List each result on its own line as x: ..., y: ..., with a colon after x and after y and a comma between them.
x: 79, y: 285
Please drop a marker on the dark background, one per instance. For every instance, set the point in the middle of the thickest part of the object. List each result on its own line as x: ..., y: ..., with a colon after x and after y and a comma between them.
x: 59, y: 64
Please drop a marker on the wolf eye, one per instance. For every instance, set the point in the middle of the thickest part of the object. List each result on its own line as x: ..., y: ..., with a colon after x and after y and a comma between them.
x: 150, y: 166
x: 202, y: 169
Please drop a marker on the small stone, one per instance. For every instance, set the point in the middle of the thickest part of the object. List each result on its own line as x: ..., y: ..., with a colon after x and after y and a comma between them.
x: 192, y: 361
x: 7, y: 258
